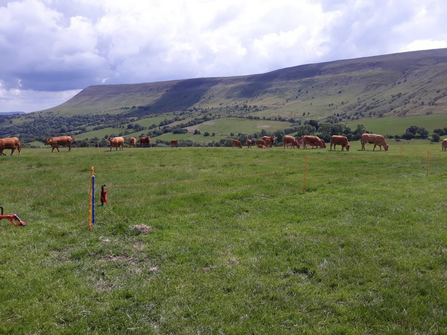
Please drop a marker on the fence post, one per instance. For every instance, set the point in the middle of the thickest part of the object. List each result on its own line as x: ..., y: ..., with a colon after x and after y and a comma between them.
x: 91, y: 207
x: 305, y: 174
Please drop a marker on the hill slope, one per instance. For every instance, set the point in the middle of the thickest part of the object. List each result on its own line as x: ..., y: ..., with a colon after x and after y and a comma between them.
x: 402, y: 84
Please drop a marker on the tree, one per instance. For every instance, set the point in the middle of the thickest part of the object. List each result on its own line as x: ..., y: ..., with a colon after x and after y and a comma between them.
x: 435, y: 137
x: 206, y: 134
x: 408, y: 135
x: 423, y: 133
x: 412, y: 129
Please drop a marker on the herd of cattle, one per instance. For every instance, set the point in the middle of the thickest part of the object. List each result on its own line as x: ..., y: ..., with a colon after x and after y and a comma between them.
x: 13, y: 143
x: 316, y: 142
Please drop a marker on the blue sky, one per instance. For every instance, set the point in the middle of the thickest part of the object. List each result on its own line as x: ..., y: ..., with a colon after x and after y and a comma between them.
x: 51, y: 49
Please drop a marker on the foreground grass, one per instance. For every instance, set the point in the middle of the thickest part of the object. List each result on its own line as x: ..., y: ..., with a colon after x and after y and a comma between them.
x: 235, y: 247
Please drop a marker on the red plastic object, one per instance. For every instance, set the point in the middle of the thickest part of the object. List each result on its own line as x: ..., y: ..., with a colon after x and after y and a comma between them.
x: 14, y: 219
x: 103, y: 195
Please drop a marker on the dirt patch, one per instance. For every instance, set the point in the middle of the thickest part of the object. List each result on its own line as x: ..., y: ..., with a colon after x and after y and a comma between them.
x: 112, y: 258
x: 139, y: 246
x: 263, y: 126
x: 142, y: 228
x: 196, y: 127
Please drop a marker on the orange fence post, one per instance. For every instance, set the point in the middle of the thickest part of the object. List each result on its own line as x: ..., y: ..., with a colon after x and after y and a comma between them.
x: 428, y: 162
x: 305, y: 175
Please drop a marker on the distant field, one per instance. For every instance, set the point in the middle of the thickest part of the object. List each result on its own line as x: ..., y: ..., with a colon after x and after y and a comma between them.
x: 226, y: 126
x: 153, y: 120
x: 188, y: 136
x: 100, y: 133
x: 235, y: 246
x: 397, y: 126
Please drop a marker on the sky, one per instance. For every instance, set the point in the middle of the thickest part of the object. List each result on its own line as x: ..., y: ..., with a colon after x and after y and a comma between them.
x: 52, y: 49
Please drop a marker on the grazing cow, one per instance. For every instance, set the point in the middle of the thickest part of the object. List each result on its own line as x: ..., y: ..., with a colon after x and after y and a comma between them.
x: 174, y: 143
x: 236, y: 143
x: 290, y: 141
x: 269, y: 140
x: 55, y: 142
x: 340, y: 140
x: 12, y: 143
x: 145, y: 141
x: 261, y: 144
x: 374, y: 139
x: 133, y: 142
x: 313, y: 141
x: 249, y: 143
x: 116, y: 142
x: 444, y: 144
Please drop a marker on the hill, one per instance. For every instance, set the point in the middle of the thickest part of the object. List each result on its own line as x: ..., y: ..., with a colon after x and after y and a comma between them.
x: 411, y: 84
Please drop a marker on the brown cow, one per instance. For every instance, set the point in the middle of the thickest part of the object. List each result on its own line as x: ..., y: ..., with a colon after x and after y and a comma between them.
x: 340, y: 140
x: 145, y: 141
x: 55, y: 142
x: 269, y: 140
x: 313, y: 141
x: 236, y: 143
x: 249, y: 143
x: 261, y: 144
x: 290, y: 141
x: 444, y: 144
x: 12, y: 143
x: 373, y: 139
x: 116, y: 142
x: 133, y: 142
x: 174, y: 143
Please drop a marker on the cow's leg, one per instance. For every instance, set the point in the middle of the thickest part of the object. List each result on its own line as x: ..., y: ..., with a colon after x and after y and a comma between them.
x: 374, y: 149
x: 12, y: 150
x: 69, y: 148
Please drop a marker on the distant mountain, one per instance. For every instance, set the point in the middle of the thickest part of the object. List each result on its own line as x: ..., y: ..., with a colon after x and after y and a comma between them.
x: 11, y: 113
x: 403, y: 84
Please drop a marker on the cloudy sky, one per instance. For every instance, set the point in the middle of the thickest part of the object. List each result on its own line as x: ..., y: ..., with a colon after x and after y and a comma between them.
x: 51, y: 49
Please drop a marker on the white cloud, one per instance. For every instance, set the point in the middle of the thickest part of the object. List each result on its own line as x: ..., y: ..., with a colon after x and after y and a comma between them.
x: 66, y: 45
x: 424, y: 45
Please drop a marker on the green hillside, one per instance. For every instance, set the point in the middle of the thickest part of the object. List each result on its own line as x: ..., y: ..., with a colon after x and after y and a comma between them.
x: 383, y: 91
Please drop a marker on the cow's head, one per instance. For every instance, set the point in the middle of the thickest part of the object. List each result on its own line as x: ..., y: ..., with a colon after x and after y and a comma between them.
x: 47, y: 141
x: 323, y: 144
x: 386, y: 147
x: 347, y: 147
x: 110, y: 139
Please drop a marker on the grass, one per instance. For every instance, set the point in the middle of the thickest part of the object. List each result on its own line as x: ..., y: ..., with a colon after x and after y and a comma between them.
x: 235, y: 246
x: 100, y: 133
x: 397, y: 126
x: 188, y: 136
x: 226, y: 126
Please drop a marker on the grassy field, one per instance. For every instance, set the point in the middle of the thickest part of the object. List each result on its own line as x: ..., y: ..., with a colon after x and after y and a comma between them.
x: 226, y: 126
x: 235, y: 246
x: 397, y: 126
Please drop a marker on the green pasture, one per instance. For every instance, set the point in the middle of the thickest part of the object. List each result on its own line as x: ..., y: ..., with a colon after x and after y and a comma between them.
x: 226, y: 126
x: 398, y: 125
x: 235, y: 246
x: 188, y: 136
x: 100, y: 133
